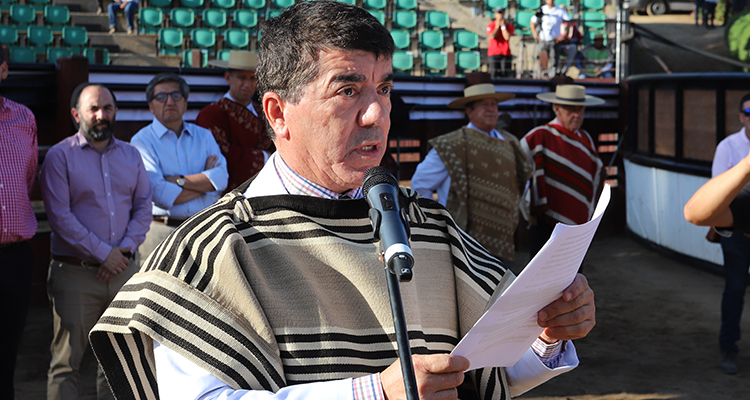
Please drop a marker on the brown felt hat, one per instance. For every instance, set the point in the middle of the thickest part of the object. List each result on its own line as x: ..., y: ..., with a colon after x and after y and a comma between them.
x: 238, y: 59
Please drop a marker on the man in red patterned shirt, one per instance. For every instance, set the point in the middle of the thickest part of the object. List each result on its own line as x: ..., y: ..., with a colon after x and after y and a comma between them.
x: 235, y: 120
x: 18, y: 165
x: 567, y: 168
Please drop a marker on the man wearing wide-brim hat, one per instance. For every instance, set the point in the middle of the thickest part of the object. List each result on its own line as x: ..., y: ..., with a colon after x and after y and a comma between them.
x: 568, y: 171
x: 478, y: 172
x: 235, y: 119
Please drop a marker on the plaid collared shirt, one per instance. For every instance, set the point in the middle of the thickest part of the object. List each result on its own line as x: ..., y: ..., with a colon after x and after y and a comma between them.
x: 296, y: 184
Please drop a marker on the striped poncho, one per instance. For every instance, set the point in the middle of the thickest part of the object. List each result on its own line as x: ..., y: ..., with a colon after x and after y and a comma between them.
x: 280, y: 290
x: 567, y: 173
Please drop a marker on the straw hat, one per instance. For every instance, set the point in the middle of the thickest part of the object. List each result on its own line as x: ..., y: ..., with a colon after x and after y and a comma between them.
x: 238, y: 59
x: 479, y: 92
x: 572, y: 95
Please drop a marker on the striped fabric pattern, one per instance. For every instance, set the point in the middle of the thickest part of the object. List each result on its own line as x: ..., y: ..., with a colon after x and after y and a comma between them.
x: 566, y: 176
x: 281, y: 290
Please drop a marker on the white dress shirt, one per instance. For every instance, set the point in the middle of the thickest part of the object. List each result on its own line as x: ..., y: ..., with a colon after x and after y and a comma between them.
x: 730, y: 152
x: 179, y: 378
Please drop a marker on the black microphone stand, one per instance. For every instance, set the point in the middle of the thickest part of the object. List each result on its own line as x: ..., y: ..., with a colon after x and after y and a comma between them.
x: 400, y: 270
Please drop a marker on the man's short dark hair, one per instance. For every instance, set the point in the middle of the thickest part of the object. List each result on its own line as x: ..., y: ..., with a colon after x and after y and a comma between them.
x: 166, y: 77
x: 291, y: 43
x: 76, y: 97
x: 744, y: 99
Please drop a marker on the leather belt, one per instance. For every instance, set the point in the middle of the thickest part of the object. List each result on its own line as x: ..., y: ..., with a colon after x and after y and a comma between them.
x: 168, y: 221
x: 75, y: 261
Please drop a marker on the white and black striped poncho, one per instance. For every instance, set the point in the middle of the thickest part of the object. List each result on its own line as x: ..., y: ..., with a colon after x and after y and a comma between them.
x: 280, y: 290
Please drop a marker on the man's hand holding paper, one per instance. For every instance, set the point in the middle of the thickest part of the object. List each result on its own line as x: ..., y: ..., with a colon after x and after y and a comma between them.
x: 572, y: 316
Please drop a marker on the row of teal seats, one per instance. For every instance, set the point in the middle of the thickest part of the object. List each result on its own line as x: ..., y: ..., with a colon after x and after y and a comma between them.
x: 435, y: 39
x: 278, y: 4
x: 172, y: 40
x: 435, y: 62
x: 25, y: 14
x: 36, y: 4
x: 42, y: 35
x: 51, y: 54
x: 590, y: 20
x: 594, y: 5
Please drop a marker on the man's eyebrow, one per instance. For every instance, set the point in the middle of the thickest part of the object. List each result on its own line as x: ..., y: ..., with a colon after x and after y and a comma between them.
x: 387, y: 77
x: 352, y: 77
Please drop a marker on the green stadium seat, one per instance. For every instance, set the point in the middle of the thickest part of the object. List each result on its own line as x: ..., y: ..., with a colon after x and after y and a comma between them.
x: 226, y: 4
x: 53, y: 53
x: 594, y: 5
x: 468, y: 61
x: 182, y: 17
x: 588, y: 36
x: 56, y: 16
x: 529, y: 4
x: 465, y: 40
x: 401, y: 38
x: 564, y: 3
x: 523, y: 21
x: 203, y: 38
x: 352, y: 2
x: 282, y: 3
x: 403, y: 61
x: 237, y: 38
x: 431, y: 39
x: 594, y: 19
x: 374, y: 4
x: 150, y: 19
x: 160, y: 3
x: 92, y: 53
x: 76, y: 37
x: 273, y: 13
x: 187, y: 58
x: 254, y: 4
x: 40, y: 37
x: 191, y: 3
x: 223, y: 54
x: 406, y: 4
x: 245, y: 18
x: 5, y: 5
x: 492, y: 4
x: 38, y: 5
x: 22, y: 54
x: 405, y: 19
x: 22, y: 14
x: 378, y: 14
x: 435, y: 62
x: 170, y: 40
x: 215, y: 18
x: 437, y: 19
x: 8, y: 35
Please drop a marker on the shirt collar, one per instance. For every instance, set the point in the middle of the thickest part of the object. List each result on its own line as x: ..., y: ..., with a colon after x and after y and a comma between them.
x: 81, y: 141
x: 494, y: 133
x: 3, y: 104
x: 250, y: 107
x: 162, y: 130
x: 296, y: 184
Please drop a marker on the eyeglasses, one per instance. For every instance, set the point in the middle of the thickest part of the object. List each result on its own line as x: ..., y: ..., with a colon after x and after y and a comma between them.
x: 162, y: 97
x: 746, y: 112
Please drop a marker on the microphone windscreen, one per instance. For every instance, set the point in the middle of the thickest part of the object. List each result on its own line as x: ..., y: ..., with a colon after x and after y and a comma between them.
x: 375, y: 176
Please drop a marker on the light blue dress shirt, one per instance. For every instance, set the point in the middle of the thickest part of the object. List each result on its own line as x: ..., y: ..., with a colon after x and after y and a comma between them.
x: 166, y: 154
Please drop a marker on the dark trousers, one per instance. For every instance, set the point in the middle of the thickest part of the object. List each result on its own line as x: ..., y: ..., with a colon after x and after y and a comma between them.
x: 501, y: 66
x: 15, y: 290
x: 736, y: 251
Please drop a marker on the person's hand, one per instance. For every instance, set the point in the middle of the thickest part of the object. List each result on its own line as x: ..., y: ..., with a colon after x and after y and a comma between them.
x: 211, y: 162
x: 572, y: 316
x: 103, y: 275
x: 122, y: 4
x: 438, y: 376
x: 115, y: 263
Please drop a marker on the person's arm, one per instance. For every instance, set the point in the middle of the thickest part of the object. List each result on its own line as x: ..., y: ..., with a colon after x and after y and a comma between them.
x: 163, y: 193
x: 218, y: 175
x: 709, y: 206
x: 532, y: 28
x: 141, y: 215
x: 430, y: 176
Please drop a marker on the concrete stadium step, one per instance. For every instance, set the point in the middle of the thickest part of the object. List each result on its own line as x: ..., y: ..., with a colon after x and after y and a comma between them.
x: 145, y: 60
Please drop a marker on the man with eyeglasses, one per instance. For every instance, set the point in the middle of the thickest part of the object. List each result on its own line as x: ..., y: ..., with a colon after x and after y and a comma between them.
x: 567, y: 176
x: 183, y: 161
x: 235, y: 119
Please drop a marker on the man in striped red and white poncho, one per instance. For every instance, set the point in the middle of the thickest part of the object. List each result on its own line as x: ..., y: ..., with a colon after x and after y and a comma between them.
x: 567, y: 168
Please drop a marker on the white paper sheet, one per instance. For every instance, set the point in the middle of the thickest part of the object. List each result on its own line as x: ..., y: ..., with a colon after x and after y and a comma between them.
x: 509, y: 327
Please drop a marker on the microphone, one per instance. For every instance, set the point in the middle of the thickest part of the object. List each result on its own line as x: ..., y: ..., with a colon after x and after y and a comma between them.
x: 380, y: 189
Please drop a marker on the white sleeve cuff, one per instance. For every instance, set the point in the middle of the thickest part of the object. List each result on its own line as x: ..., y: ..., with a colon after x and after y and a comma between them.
x: 529, y: 372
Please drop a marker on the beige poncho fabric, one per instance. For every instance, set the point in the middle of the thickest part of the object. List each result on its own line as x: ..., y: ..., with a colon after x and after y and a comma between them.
x: 280, y: 290
x: 488, y: 176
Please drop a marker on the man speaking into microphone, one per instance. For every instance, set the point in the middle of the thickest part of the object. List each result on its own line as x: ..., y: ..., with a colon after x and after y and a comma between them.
x: 278, y: 291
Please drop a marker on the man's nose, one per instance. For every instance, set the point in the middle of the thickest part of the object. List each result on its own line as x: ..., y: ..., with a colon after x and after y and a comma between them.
x: 376, y: 111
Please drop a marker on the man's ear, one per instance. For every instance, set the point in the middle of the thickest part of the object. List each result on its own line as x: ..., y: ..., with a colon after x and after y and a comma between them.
x: 75, y: 115
x: 274, y: 107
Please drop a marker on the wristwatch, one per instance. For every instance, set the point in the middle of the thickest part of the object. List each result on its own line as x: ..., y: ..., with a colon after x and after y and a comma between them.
x: 181, y: 181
